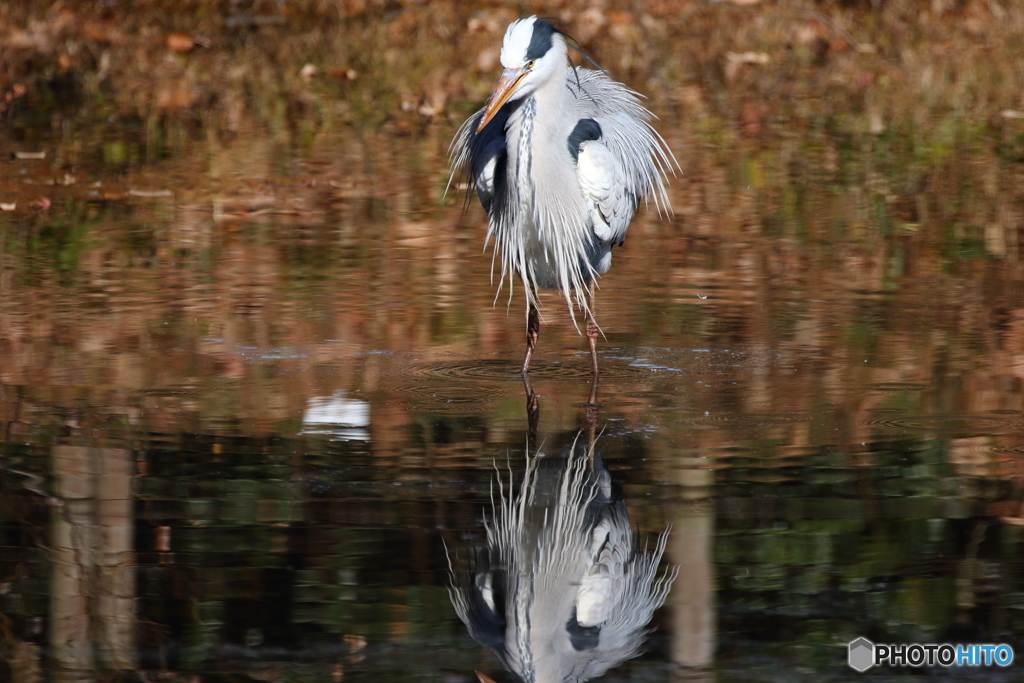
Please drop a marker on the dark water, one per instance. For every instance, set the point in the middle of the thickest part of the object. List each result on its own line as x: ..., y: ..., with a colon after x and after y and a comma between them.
x: 250, y: 394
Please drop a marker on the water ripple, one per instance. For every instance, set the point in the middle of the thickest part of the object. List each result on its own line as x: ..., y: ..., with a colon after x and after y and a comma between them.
x: 949, y: 424
x: 755, y: 419
x: 898, y: 386
x: 502, y: 369
x: 449, y: 399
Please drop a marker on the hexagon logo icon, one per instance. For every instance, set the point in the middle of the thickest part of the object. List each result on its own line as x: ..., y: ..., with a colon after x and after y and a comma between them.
x: 861, y: 656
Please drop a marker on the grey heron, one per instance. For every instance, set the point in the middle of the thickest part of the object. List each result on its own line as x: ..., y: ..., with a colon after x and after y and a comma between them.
x: 561, y: 592
x: 560, y: 157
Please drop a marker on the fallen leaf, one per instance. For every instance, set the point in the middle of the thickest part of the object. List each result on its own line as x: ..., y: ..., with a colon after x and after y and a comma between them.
x: 747, y: 57
x: 734, y: 61
x: 150, y: 193
x: 342, y: 73
x: 180, y: 43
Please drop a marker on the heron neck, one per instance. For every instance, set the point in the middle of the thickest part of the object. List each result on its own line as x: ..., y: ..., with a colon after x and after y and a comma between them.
x: 551, y: 105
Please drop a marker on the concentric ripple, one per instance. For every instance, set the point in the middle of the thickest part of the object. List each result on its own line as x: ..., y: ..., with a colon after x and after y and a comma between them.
x: 821, y: 408
x: 897, y: 386
x: 1015, y: 449
x: 755, y: 419
x: 449, y: 399
x: 946, y: 424
x: 449, y: 393
x: 502, y: 369
x: 987, y: 452
x: 166, y: 392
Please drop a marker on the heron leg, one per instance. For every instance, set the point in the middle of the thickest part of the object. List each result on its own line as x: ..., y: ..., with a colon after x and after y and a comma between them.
x: 532, y: 416
x: 532, y: 332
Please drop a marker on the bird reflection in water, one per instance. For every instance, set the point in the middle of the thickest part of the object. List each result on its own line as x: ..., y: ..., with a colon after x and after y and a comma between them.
x: 561, y: 591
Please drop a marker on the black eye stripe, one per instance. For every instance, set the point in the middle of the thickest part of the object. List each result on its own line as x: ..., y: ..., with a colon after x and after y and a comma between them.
x: 540, y: 41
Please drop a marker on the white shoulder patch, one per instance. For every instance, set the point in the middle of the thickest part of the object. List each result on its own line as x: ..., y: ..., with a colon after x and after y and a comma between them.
x: 602, y: 181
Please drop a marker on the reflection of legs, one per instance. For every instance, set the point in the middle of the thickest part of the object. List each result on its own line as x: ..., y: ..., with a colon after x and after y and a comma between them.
x: 591, y: 414
x: 532, y: 417
x: 592, y: 331
x: 532, y: 332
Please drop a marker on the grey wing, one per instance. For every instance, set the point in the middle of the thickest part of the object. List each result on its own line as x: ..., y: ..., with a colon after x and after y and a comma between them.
x: 481, y: 155
x: 603, y: 181
x: 634, y: 160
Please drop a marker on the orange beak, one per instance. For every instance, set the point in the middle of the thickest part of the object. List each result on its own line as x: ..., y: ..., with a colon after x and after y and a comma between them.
x: 484, y: 678
x: 506, y: 86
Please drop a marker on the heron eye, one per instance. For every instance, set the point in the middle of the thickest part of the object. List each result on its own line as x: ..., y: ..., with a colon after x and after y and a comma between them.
x: 529, y: 64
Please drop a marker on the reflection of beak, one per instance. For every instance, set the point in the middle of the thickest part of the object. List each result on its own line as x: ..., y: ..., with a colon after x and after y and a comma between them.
x: 483, y: 677
x: 506, y: 86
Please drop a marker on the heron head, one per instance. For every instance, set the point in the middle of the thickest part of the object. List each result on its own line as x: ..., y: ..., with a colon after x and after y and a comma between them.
x: 532, y: 51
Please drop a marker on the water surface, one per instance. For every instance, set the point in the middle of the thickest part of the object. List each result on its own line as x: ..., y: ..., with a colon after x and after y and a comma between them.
x: 252, y: 388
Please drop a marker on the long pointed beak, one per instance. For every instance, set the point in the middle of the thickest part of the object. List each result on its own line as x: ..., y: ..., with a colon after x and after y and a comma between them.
x: 483, y: 678
x: 506, y: 86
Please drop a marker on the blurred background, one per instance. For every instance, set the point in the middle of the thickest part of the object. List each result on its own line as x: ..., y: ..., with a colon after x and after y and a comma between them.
x: 253, y: 376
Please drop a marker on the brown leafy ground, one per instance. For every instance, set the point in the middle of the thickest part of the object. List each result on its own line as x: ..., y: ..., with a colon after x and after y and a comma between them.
x: 750, y: 66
